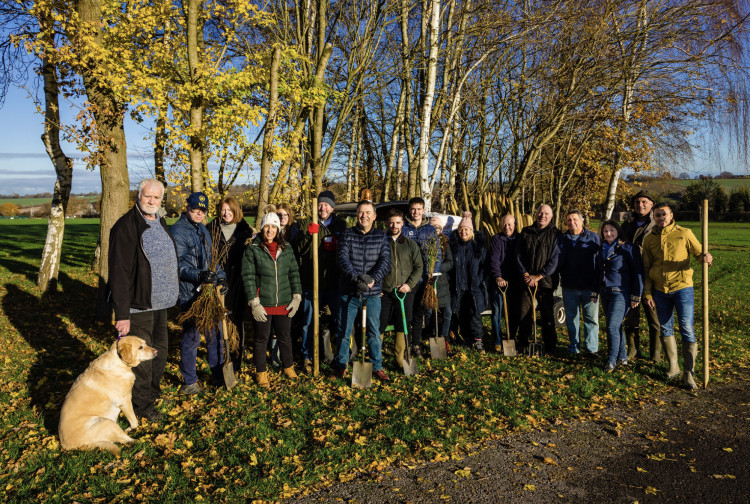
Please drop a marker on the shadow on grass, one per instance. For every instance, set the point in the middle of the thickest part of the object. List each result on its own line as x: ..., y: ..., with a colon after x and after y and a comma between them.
x: 60, y: 357
x: 28, y: 270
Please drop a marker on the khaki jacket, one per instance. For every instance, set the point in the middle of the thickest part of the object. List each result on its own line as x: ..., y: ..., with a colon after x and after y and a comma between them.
x: 666, y: 259
x: 406, y: 264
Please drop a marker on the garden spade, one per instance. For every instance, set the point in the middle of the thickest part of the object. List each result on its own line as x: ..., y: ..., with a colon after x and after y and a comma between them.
x: 410, y: 363
x: 228, y: 369
x: 362, y: 371
x: 509, y: 345
x: 437, y: 344
x: 535, y: 348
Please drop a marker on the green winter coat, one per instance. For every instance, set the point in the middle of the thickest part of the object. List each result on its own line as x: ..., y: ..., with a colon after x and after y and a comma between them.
x: 277, y: 278
x: 406, y: 264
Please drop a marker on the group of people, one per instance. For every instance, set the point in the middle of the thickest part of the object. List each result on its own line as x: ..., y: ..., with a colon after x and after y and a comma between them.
x: 267, y: 276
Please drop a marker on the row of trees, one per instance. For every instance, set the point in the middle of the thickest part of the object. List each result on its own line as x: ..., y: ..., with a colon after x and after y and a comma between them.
x: 540, y: 101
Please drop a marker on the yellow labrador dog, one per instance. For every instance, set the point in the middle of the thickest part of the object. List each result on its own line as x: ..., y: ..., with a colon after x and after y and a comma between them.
x: 89, y: 414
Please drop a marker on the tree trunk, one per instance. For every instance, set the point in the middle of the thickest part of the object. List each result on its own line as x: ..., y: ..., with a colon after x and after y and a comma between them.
x: 108, y: 113
x: 425, y: 127
x: 50, y: 264
x: 196, y: 146
x: 268, y: 136
x: 160, y: 141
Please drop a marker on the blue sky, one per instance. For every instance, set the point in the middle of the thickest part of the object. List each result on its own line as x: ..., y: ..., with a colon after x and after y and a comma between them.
x: 26, y: 169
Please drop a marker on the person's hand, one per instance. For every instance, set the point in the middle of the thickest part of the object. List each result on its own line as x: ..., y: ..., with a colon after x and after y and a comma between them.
x: 313, y: 228
x: 259, y: 313
x: 594, y: 297
x: 707, y: 258
x: 294, y: 305
x: 224, y: 286
x: 650, y: 303
x: 123, y: 327
x: 404, y: 288
x: 501, y: 282
x: 364, y: 282
x: 206, y: 277
x: 635, y: 301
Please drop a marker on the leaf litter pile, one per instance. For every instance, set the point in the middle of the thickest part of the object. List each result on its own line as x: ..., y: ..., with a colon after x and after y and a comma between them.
x: 251, y: 444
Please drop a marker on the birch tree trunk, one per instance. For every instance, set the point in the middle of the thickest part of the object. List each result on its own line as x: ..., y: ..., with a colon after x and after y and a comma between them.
x: 425, y: 127
x: 50, y: 264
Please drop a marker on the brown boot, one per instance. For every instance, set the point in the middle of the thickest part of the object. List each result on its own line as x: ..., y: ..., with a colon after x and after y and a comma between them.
x: 308, y: 366
x: 289, y: 372
x: 400, y: 347
x: 631, y: 342
x: 670, y: 348
x: 262, y: 379
x: 654, y: 348
x: 689, y: 352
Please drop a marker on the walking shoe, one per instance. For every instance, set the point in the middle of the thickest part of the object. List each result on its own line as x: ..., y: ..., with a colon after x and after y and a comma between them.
x: 499, y: 348
x: 416, y: 351
x: 192, y: 389
x: 479, y: 347
x: 339, y: 373
x: 609, y: 368
x: 289, y: 372
x: 262, y: 379
x: 308, y: 366
x: 153, y: 416
x: 623, y: 362
x: 380, y: 375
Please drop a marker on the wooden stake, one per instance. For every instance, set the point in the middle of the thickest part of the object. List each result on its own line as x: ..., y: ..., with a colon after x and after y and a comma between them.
x: 316, y: 306
x: 705, y: 295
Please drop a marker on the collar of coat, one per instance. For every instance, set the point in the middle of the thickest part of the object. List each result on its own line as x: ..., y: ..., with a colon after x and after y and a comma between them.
x: 666, y: 229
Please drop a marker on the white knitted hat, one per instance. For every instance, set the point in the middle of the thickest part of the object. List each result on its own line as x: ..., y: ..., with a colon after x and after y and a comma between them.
x: 272, y: 219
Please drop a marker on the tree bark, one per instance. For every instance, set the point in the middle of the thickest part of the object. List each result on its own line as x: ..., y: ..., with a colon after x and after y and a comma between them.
x: 425, y: 127
x: 268, y: 136
x: 50, y: 264
x: 196, y: 144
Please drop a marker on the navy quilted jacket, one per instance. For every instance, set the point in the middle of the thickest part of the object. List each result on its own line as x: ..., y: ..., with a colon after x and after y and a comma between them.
x: 359, y: 253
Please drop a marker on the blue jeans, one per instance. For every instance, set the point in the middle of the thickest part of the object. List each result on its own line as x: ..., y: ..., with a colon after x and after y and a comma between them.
x: 445, y: 328
x: 191, y: 340
x: 615, y: 302
x: 683, y: 301
x: 330, y: 298
x: 572, y: 300
x: 348, y: 307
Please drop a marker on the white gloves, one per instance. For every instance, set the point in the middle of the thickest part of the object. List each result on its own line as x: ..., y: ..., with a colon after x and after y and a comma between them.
x: 259, y: 313
x: 294, y: 305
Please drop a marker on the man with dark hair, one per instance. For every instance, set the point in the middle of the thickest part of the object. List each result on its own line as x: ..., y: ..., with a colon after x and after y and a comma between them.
x: 364, y: 259
x: 143, y: 285
x: 578, y: 249
x: 329, y: 229
x: 194, y: 256
x: 405, y: 272
x: 669, y: 286
x: 418, y: 228
x: 537, y: 256
x: 637, y: 225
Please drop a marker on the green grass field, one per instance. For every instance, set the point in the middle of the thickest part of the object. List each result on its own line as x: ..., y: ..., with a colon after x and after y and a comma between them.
x: 253, y: 444
x: 25, y: 202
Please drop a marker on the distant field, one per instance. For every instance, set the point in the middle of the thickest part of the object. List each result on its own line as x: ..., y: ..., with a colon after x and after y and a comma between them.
x: 25, y: 202
x: 680, y: 185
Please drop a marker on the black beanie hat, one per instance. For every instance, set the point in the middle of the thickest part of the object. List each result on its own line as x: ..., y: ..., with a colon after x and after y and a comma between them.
x: 327, y: 197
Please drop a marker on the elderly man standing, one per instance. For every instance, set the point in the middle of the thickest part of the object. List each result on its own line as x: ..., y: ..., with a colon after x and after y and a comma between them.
x: 635, y: 228
x: 364, y: 259
x: 329, y: 231
x: 194, y: 256
x: 504, y: 275
x: 669, y: 286
x: 143, y: 284
x: 578, y: 249
x: 537, y: 256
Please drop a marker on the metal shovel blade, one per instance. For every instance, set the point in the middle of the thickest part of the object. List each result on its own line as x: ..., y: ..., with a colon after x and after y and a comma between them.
x: 362, y: 375
x: 437, y: 348
x: 509, y: 348
x: 228, y: 369
x: 327, y: 346
x: 229, y: 379
x: 410, y: 367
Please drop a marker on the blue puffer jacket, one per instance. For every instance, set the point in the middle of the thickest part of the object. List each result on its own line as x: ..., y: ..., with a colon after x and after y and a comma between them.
x: 622, y: 267
x: 192, y: 256
x: 361, y: 253
x: 469, y: 270
x: 578, y: 260
x: 423, y: 235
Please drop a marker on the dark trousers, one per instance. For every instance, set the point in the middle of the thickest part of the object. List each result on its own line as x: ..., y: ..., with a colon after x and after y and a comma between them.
x: 281, y: 325
x: 468, y: 322
x: 546, y: 299
x: 390, y: 311
x: 417, y: 319
x: 151, y: 326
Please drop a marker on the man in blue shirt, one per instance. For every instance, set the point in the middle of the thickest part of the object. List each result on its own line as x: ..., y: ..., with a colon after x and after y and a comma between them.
x: 578, y: 249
